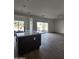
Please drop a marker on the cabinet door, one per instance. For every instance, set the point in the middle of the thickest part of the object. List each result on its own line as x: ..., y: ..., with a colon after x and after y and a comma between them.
x: 28, y: 43
x: 38, y: 40
x: 25, y: 44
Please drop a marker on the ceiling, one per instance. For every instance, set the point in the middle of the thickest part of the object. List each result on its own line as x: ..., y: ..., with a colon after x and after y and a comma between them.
x: 46, y: 8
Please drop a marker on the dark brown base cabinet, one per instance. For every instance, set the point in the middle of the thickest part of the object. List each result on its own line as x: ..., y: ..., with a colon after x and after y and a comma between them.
x: 28, y: 43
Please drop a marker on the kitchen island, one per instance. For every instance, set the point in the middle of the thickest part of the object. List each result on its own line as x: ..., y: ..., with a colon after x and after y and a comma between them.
x: 28, y: 41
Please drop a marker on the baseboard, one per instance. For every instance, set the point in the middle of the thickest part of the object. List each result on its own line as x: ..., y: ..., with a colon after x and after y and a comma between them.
x: 58, y: 33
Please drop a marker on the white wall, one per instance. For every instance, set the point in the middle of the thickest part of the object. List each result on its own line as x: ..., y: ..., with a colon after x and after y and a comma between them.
x: 35, y: 20
x: 23, y: 18
x: 59, y: 26
x: 50, y: 23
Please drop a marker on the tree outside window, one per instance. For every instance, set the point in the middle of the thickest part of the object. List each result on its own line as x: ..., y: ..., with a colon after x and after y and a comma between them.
x: 18, y: 25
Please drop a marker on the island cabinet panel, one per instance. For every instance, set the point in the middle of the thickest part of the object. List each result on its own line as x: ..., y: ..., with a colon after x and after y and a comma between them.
x: 28, y: 43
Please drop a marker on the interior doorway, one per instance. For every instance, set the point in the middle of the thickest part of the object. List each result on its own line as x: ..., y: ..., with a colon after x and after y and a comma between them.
x: 42, y: 26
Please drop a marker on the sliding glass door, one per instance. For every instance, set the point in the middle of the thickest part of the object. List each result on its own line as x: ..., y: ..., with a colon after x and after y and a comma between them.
x: 42, y: 26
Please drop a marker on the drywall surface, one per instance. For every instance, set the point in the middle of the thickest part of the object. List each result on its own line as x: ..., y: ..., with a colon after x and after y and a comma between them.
x: 50, y: 23
x: 59, y: 26
x: 23, y: 18
x: 35, y: 20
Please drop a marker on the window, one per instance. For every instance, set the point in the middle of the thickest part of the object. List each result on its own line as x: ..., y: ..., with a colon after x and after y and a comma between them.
x: 42, y: 26
x: 18, y: 25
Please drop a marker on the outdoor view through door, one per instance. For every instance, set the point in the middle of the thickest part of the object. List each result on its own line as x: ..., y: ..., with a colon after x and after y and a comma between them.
x: 42, y: 26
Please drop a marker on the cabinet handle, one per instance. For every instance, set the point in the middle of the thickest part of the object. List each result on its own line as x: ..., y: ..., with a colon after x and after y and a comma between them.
x: 34, y: 38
